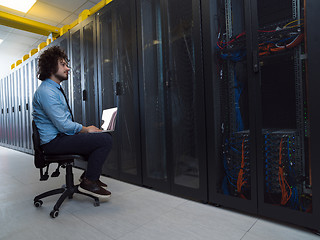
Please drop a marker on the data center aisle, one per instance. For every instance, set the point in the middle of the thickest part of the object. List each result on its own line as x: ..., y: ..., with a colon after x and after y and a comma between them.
x: 132, y: 213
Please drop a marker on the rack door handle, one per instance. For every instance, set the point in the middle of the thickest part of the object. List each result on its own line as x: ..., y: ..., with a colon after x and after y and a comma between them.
x: 118, y: 88
x: 84, y: 95
x: 255, y: 61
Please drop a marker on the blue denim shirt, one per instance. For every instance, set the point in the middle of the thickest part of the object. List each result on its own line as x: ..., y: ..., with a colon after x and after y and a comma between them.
x: 51, y: 113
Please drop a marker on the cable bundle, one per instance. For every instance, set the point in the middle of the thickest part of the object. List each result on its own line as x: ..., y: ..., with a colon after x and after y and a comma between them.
x: 237, y: 166
x: 282, y: 181
x: 270, y: 41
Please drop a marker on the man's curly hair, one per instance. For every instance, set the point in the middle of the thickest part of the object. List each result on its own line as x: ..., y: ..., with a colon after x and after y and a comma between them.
x: 48, y: 62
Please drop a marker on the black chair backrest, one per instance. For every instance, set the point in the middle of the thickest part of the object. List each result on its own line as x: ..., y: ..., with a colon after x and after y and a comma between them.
x: 39, y: 160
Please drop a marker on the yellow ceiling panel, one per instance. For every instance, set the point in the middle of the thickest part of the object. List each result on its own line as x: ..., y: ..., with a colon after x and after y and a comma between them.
x: 47, y: 14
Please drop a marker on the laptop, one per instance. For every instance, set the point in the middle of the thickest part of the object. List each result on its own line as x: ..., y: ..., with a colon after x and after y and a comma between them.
x: 108, y: 120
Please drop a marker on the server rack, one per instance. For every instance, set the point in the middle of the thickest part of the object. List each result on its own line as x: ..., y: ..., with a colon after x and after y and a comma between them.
x: 29, y: 95
x: 34, y: 83
x: 18, y: 89
x: 3, y: 111
x: 13, y: 124
x: 84, y: 80
x: 30, y: 83
x: 107, y: 75
x: 2, y: 106
x: 118, y: 84
x: 80, y: 44
x: 6, y: 110
x: 17, y: 108
x: 84, y: 72
x: 7, y: 141
x: 22, y: 109
x: 171, y: 97
x: 288, y: 139
x: 231, y: 122
x: 278, y: 113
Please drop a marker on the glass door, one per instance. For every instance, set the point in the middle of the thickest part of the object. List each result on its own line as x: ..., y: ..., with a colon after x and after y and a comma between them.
x: 76, y: 69
x: 153, y: 95
x: 285, y: 179
x: 230, y: 108
x: 172, y: 97
x: 89, y: 77
x: 84, y: 76
x: 118, y: 79
x: 185, y: 92
x: 107, y: 69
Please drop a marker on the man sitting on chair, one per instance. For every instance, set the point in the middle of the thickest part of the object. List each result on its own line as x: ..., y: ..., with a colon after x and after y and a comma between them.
x: 59, y: 134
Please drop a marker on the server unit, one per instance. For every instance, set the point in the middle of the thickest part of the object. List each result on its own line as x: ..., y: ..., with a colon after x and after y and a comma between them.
x: 260, y: 87
x: 172, y: 97
x: 231, y: 121
x: 119, y: 86
x: 84, y: 72
x: 284, y: 120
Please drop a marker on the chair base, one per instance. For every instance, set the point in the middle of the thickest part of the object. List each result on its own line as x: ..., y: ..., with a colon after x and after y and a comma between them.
x: 67, y: 192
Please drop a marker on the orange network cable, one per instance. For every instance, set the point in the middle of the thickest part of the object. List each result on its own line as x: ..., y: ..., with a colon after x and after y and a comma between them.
x: 282, y: 181
x: 271, y: 47
x: 240, y: 181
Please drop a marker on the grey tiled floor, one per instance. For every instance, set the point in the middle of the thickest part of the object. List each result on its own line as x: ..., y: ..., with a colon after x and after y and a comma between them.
x: 132, y: 213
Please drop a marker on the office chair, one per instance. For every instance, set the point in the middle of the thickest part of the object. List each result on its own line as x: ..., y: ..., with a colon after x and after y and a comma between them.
x: 42, y: 161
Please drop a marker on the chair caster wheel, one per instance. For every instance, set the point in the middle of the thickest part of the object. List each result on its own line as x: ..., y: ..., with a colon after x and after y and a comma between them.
x: 54, y: 213
x: 96, y: 204
x: 37, y: 203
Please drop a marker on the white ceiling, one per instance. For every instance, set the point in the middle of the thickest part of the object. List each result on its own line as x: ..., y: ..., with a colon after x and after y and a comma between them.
x: 17, y: 43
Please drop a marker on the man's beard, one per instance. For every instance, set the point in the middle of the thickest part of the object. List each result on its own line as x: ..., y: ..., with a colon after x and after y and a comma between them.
x: 60, y: 77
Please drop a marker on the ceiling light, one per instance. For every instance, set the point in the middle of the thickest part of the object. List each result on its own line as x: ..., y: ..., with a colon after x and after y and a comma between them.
x: 1, y: 40
x: 19, y: 5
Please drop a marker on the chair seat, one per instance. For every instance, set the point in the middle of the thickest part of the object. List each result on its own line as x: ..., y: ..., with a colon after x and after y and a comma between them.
x: 63, y: 158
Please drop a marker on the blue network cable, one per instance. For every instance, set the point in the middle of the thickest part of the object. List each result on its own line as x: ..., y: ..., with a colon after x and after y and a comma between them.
x: 237, y: 94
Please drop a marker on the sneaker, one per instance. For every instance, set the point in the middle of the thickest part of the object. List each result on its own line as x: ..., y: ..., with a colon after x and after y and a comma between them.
x: 93, y: 189
x: 101, y: 184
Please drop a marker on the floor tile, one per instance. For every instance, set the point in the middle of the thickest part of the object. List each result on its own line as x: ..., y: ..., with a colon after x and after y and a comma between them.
x: 24, y: 221
x: 219, y: 216
x: 177, y: 224
x: 264, y: 229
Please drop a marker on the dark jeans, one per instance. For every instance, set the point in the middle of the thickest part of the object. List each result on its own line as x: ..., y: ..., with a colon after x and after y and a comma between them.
x: 95, y: 146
